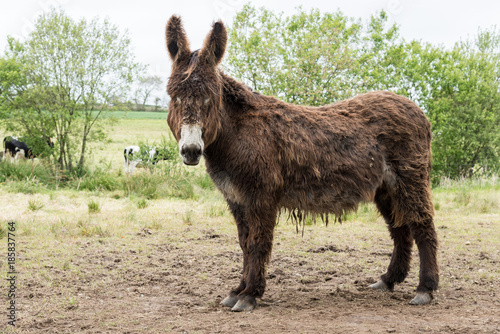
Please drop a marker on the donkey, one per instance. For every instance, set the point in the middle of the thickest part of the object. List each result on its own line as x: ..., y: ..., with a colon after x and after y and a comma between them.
x: 266, y: 155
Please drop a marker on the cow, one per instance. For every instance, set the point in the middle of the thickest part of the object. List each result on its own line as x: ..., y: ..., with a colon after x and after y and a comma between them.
x: 17, y: 149
x: 133, y: 156
x: 266, y: 155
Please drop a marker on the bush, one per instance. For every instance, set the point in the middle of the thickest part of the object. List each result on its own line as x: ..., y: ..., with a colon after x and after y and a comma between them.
x: 168, y: 180
x: 27, y: 170
x: 98, y: 180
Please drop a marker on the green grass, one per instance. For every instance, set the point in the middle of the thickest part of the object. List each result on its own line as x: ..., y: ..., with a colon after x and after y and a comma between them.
x: 94, y: 206
x: 34, y: 204
x: 142, y: 203
x: 135, y: 115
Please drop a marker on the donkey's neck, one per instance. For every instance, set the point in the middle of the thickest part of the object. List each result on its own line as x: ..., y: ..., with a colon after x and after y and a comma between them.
x: 236, y: 95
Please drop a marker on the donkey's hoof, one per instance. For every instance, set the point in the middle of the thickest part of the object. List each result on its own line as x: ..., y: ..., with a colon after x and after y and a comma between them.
x: 230, y: 300
x: 245, y: 304
x: 380, y: 285
x: 421, y: 298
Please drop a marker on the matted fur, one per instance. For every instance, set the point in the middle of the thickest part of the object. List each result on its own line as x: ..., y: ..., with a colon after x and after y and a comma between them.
x: 265, y: 155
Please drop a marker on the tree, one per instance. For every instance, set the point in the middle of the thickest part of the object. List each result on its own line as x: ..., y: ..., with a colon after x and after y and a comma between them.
x: 311, y: 58
x: 460, y: 91
x: 146, y: 85
x: 62, y: 79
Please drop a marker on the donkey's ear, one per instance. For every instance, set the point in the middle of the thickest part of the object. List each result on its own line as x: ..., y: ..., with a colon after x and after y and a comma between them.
x: 215, y: 44
x: 177, y: 43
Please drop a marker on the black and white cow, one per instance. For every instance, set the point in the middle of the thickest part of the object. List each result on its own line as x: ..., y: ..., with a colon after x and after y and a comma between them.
x: 17, y: 149
x: 133, y: 156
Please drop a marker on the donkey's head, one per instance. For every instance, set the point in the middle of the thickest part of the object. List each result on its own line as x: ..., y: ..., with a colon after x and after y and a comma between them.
x: 195, y: 89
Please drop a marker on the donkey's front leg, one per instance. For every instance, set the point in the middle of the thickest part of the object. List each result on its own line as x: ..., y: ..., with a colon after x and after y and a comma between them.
x: 261, y: 222
x: 238, y: 212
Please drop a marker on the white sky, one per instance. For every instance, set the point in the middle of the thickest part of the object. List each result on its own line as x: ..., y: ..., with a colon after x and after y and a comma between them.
x: 435, y: 21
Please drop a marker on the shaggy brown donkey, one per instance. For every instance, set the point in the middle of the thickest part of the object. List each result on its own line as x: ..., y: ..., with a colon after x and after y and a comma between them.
x: 265, y: 155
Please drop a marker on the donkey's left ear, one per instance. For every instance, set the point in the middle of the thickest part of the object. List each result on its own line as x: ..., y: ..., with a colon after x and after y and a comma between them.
x: 215, y: 44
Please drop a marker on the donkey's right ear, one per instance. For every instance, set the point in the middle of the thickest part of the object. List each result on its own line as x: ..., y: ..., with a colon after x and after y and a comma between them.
x: 177, y: 43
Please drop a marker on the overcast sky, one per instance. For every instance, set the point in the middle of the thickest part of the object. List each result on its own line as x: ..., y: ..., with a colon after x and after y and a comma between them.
x: 435, y: 21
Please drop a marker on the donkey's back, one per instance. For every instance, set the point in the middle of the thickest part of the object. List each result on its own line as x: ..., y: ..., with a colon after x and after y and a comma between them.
x: 328, y: 159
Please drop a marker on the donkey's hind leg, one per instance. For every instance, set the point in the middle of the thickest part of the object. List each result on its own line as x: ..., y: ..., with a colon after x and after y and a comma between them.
x: 239, y: 216
x: 412, y: 207
x: 403, y: 241
x: 425, y: 237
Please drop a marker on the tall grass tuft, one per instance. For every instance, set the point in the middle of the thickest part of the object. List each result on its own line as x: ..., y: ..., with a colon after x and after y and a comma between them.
x: 94, y: 206
x: 86, y: 229
x: 142, y: 203
x: 35, y: 204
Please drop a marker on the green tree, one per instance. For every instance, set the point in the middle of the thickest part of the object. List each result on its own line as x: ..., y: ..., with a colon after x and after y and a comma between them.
x: 61, y: 80
x: 311, y: 58
x: 460, y: 91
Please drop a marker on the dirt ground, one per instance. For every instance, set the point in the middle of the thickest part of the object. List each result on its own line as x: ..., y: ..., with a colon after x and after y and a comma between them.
x: 172, y: 280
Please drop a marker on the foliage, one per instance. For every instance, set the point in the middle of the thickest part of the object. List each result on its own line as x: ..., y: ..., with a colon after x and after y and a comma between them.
x: 459, y: 89
x: 311, y: 58
x: 27, y: 170
x: 61, y: 80
x: 166, y: 149
x: 316, y: 58
x: 142, y: 203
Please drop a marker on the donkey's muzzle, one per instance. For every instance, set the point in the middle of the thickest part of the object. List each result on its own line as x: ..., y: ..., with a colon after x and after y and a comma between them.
x: 191, y: 154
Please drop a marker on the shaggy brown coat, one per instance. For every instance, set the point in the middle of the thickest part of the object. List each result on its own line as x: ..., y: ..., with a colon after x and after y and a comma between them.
x: 265, y: 155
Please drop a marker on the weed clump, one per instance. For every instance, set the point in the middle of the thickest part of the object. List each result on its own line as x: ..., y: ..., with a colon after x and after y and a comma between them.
x: 94, y: 206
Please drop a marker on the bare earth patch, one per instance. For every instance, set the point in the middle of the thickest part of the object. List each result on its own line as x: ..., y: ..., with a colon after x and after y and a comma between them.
x: 170, y: 276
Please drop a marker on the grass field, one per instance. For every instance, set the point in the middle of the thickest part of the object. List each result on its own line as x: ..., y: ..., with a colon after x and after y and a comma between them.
x: 139, y: 115
x: 116, y: 262
x: 128, y: 132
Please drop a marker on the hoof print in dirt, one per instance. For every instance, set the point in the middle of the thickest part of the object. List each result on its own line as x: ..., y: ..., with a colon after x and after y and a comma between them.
x: 422, y: 298
x: 245, y: 304
x: 380, y: 285
x: 230, y: 300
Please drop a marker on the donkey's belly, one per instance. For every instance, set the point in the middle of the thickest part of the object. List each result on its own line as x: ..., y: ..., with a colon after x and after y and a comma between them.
x: 321, y: 200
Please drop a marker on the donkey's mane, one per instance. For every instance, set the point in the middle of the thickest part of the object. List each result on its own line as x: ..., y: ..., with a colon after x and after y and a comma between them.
x: 193, y: 63
x: 238, y: 95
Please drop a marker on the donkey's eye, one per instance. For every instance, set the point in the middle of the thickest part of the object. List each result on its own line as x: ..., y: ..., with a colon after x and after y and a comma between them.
x: 179, y: 100
x: 206, y: 101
